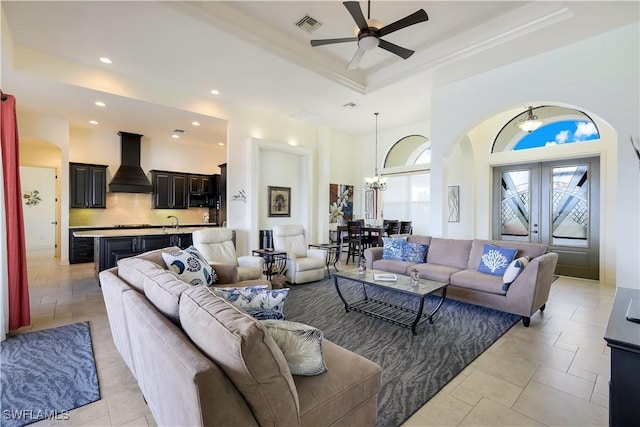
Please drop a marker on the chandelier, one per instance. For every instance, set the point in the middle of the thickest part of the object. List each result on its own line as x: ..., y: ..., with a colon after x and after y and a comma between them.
x: 530, y: 122
x: 376, y: 183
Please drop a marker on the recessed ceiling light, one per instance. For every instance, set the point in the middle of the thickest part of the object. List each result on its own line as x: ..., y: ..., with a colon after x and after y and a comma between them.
x: 221, y: 144
x: 215, y: 92
x: 100, y: 104
x: 195, y: 123
x: 93, y: 122
x: 105, y: 60
x: 174, y: 136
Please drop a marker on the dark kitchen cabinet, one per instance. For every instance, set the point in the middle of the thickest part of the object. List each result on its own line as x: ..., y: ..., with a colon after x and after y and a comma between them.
x: 109, y: 250
x: 200, y: 184
x: 87, y: 186
x: 150, y: 243
x: 80, y: 249
x: 222, y: 212
x: 169, y: 190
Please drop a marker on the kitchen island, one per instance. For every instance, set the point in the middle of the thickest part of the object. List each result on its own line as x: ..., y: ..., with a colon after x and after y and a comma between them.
x: 113, y: 244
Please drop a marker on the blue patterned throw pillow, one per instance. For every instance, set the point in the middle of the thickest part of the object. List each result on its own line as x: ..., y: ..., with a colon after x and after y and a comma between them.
x: 513, y: 271
x: 257, y: 301
x: 393, y: 247
x: 190, y: 266
x: 495, y: 259
x: 414, y: 252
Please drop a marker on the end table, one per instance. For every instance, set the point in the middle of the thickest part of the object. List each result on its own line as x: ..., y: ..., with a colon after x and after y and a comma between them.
x: 333, y: 254
x: 275, y: 262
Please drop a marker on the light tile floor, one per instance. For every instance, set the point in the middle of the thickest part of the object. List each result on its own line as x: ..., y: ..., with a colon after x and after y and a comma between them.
x: 554, y: 373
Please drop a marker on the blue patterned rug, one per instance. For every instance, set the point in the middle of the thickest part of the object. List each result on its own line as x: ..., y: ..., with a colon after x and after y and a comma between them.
x: 47, y: 373
x: 415, y: 368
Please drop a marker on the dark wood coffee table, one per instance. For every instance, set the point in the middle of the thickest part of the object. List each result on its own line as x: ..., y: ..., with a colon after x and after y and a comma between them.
x: 384, y: 310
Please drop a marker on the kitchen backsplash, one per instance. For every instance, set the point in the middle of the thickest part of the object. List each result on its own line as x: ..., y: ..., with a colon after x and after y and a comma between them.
x: 132, y: 208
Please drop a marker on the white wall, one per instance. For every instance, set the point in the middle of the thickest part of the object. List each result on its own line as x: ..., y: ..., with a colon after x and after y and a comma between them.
x: 33, y: 127
x: 253, y: 133
x: 598, y: 75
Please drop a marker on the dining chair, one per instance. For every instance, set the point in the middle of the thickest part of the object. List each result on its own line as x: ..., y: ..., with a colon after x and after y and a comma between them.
x: 390, y: 226
x: 356, y: 241
x: 406, y: 227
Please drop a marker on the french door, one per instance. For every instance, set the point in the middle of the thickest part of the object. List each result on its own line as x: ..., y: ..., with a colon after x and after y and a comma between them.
x: 555, y: 203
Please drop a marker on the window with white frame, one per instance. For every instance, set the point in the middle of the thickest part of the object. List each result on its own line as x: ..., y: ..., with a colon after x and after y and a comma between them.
x: 407, y: 198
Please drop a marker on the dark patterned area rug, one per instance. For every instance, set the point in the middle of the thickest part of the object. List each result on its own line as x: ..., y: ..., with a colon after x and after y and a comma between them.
x: 47, y: 373
x: 415, y: 368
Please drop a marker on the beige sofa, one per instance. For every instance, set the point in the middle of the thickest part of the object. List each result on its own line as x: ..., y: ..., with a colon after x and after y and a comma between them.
x: 455, y: 261
x: 199, y: 361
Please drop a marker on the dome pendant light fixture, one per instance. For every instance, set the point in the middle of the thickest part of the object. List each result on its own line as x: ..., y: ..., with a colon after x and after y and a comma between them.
x: 530, y: 122
x: 376, y: 183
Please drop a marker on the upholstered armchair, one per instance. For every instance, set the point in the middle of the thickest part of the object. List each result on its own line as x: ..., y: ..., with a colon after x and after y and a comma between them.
x: 216, y: 245
x: 303, y: 264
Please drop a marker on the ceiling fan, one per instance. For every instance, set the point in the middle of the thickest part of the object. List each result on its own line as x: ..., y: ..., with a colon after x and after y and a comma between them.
x: 371, y: 31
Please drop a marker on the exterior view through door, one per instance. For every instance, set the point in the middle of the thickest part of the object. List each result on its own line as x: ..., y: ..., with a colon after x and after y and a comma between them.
x: 554, y: 203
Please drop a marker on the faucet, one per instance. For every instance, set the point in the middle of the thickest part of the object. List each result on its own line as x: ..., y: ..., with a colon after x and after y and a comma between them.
x: 177, y: 223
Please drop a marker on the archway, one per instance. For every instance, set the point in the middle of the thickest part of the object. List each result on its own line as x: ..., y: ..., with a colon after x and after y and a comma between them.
x: 469, y: 164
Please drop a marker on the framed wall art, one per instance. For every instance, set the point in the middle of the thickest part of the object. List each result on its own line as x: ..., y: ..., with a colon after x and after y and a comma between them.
x: 340, y: 202
x: 369, y: 205
x: 279, y: 201
x: 454, y: 203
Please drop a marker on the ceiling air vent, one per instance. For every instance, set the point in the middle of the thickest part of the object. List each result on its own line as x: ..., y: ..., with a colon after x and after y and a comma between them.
x: 308, y: 24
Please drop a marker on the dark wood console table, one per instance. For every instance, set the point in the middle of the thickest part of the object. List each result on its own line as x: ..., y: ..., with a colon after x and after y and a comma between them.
x: 623, y: 337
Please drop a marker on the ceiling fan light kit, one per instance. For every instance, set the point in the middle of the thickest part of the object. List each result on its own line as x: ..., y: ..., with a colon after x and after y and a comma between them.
x: 369, y: 32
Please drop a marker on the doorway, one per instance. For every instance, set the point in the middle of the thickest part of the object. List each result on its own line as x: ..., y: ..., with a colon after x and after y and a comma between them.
x: 555, y: 203
x: 39, y: 207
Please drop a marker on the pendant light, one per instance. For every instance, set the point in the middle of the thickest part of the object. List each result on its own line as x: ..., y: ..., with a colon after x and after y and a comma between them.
x: 530, y: 122
x: 376, y: 183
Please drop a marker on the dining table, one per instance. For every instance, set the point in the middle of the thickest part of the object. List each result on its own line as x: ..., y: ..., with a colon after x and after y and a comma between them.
x: 372, y: 233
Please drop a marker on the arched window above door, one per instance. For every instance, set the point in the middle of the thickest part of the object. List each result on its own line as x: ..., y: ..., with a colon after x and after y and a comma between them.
x: 410, y: 150
x: 560, y: 125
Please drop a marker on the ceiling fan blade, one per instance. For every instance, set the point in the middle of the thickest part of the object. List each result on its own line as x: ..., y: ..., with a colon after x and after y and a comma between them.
x: 354, y: 9
x: 332, y: 41
x: 355, y: 61
x: 394, y: 48
x: 414, y: 18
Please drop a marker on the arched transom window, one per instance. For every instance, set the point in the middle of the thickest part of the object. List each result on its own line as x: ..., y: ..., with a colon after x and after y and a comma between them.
x: 410, y: 150
x: 559, y: 125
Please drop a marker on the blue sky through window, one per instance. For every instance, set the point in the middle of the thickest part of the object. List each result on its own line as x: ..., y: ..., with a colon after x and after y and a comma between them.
x: 565, y: 132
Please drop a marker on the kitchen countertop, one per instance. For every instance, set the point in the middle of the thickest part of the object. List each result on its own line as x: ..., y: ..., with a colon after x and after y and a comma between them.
x: 152, y: 231
x: 132, y: 226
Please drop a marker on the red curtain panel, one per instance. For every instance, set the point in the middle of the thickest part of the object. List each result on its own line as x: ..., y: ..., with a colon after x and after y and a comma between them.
x: 19, y: 312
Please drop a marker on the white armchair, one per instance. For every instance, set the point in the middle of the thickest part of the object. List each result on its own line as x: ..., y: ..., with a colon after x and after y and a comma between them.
x: 303, y: 264
x: 216, y: 245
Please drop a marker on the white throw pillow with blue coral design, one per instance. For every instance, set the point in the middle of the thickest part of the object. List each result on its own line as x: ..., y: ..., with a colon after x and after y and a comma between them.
x: 495, y: 259
x: 190, y: 266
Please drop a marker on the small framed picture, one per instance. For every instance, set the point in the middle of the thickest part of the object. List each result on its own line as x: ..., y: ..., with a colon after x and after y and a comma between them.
x: 454, y: 203
x: 279, y: 201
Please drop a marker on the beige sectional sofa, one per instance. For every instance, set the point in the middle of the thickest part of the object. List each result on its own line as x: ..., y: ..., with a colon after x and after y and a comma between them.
x: 455, y: 261
x: 200, y: 361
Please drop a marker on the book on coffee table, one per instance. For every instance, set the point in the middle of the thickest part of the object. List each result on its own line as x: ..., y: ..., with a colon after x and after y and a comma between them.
x: 385, y: 277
